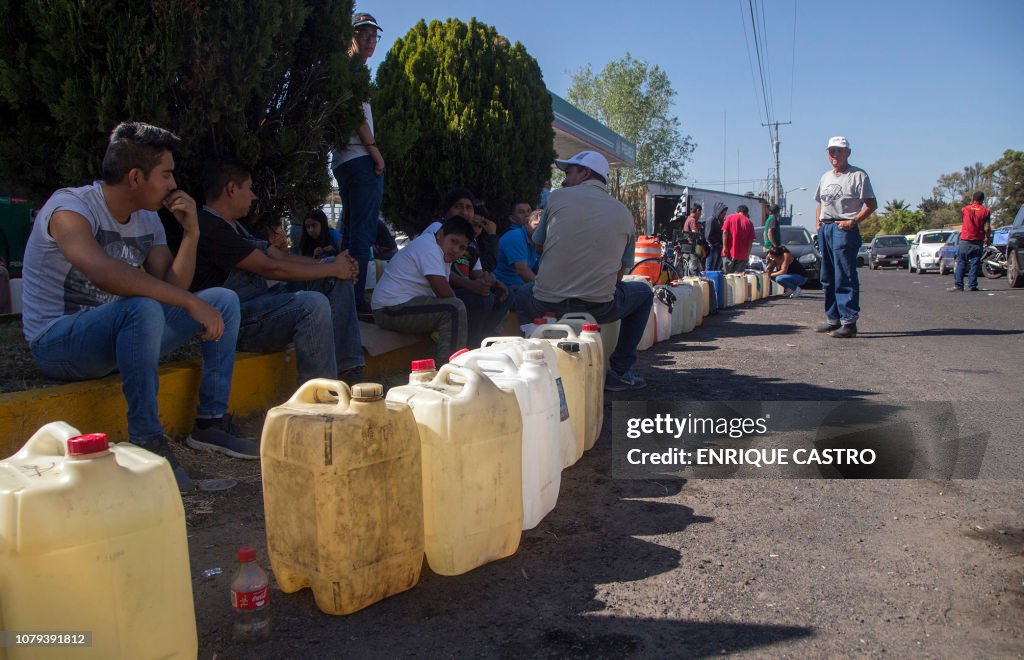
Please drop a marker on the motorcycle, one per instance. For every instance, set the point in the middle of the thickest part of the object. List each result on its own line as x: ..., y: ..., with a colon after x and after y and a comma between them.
x: 993, y: 262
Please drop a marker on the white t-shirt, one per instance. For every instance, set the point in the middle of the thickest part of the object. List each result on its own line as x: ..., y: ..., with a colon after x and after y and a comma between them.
x: 842, y: 196
x: 405, y: 277
x: 54, y: 287
x: 354, y: 148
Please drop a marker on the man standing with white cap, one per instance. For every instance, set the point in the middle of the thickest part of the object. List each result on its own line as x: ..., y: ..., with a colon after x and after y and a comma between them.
x: 845, y: 198
x: 587, y: 240
x: 359, y: 168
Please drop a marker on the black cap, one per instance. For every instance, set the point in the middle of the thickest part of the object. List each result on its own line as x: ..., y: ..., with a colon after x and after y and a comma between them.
x: 363, y: 19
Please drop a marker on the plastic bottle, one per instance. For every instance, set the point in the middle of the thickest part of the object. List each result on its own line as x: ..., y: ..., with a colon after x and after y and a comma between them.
x: 250, y: 598
x: 422, y: 371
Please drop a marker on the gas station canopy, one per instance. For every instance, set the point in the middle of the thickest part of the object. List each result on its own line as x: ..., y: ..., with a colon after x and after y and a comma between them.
x: 576, y: 131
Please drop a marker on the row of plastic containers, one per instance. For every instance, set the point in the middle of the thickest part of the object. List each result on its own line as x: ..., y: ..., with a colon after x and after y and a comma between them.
x: 358, y: 487
x: 681, y: 305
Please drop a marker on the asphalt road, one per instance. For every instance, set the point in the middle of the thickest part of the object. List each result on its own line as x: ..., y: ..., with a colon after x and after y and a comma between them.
x: 754, y: 567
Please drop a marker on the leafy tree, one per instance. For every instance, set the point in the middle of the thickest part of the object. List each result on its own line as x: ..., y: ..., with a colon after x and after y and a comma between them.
x: 943, y: 217
x: 634, y: 99
x: 1007, y: 175
x: 457, y: 105
x: 268, y: 81
x: 903, y: 221
x: 958, y: 187
x: 870, y: 227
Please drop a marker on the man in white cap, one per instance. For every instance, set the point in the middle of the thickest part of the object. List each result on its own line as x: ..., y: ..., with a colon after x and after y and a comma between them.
x: 845, y: 198
x: 359, y: 168
x: 587, y: 241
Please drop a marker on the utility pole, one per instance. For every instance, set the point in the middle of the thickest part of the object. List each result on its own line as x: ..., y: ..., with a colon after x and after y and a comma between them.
x: 775, y: 147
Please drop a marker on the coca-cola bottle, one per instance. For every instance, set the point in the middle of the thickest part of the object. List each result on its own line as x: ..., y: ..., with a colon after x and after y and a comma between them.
x: 250, y: 598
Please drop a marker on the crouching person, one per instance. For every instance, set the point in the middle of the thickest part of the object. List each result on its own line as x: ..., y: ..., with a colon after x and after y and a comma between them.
x: 103, y: 292
x: 315, y: 309
x: 414, y: 294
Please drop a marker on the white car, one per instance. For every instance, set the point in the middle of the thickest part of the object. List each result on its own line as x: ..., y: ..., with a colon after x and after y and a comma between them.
x: 924, y: 249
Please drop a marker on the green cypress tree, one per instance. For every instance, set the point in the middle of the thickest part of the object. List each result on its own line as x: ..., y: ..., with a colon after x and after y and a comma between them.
x: 456, y: 105
x: 268, y: 81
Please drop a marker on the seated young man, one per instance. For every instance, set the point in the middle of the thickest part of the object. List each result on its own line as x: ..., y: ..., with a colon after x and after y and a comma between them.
x: 414, y: 294
x: 487, y: 300
x: 102, y: 291
x: 518, y: 259
x: 315, y: 309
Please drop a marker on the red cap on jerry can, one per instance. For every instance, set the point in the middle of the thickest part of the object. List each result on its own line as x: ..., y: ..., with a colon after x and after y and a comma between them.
x: 90, y: 443
x: 458, y: 353
x: 591, y: 327
x: 423, y: 365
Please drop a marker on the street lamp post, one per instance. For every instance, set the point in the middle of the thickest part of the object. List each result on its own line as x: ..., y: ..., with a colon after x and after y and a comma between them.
x: 785, y: 198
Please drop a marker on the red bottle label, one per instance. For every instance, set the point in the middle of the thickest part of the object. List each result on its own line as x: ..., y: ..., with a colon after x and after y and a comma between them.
x: 250, y: 600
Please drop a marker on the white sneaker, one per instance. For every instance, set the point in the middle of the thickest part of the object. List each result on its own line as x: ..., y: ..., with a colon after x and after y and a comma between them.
x: 796, y: 293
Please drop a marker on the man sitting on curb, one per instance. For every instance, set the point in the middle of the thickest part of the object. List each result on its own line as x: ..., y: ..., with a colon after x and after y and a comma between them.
x: 587, y: 240
x: 90, y: 309
x: 316, y: 310
x: 415, y: 296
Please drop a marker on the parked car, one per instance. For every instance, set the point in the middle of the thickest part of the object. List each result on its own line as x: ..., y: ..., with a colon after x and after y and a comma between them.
x: 948, y: 252
x: 862, y: 254
x: 889, y: 250
x: 800, y: 244
x: 924, y: 249
x: 1015, y: 251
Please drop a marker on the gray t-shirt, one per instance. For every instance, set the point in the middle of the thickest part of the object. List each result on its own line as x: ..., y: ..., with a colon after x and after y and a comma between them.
x: 52, y: 286
x: 588, y: 236
x: 842, y: 195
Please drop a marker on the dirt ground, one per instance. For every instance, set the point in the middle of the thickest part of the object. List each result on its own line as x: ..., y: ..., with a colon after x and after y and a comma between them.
x: 677, y: 568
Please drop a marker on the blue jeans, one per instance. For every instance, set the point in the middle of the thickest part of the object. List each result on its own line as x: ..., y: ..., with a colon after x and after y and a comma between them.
x: 968, y: 254
x: 484, y: 314
x: 631, y: 303
x: 791, y: 280
x: 839, y: 278
x: 129, y: 335
x: 361, y: 191
x: 714, y: 259
x: 318, y: 317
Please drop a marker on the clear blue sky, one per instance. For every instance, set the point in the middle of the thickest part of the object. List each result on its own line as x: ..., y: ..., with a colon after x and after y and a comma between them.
x: 920, y: 88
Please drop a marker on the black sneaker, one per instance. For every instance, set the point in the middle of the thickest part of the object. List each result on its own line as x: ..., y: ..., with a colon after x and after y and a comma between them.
x: 162, y: 448
x: 847, y: 331
x: 827, y: 326
x: 222, y: 438
x: 352, y: 376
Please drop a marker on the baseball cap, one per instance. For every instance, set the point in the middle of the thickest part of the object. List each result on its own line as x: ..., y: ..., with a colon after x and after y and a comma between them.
x: 363, y: 19
x: 838, y: 141
x: 590, y: 159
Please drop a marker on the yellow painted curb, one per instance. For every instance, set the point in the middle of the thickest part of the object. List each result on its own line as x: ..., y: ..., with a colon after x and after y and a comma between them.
x: 261, y: 381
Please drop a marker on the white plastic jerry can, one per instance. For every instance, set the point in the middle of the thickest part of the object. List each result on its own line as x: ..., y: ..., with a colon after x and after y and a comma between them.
x: 609, y: 333
x: 92, y: 539
x: 538, y: 404
x: 470, y: 434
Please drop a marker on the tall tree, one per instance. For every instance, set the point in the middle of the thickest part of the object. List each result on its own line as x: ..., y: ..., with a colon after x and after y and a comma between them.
x: 634, y: 99
x: 1007, y: 176
x: 458, y: 105
x: 269, y: 81
x: 903, y: 221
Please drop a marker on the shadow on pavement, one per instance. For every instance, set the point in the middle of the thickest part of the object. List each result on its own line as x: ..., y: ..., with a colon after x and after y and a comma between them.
x: 941, y: 332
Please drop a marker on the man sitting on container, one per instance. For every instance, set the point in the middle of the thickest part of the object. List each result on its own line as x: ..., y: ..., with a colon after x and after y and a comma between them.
x: 586, y: 240
x: 103, y: 293
x: 415, y: 294
x: 315, y: 310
